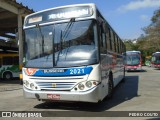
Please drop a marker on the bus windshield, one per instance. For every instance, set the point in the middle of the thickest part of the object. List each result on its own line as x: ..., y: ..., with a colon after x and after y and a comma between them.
x: 67, y: 44
x: 156, y: 59
x: 133, y: 59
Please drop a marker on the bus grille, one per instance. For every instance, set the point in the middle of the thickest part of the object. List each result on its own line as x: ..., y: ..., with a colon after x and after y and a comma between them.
x: 57, y: 83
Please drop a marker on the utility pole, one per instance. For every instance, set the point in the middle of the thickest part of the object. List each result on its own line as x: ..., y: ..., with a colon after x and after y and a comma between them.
x: 20, y: 38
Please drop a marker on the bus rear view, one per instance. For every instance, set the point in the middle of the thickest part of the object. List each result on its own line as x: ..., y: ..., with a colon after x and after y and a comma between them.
x: 133, y: 61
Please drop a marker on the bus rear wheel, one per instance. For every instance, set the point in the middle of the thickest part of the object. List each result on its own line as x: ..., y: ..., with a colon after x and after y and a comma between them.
x: 7, y: 75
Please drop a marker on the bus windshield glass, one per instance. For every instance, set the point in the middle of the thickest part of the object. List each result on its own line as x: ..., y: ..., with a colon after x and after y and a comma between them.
x: 133, y: 59
x: 61, y: 45
x: 156, y: 58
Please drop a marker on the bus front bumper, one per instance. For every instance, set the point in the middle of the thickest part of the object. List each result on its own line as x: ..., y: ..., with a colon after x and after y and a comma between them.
x: 87, y: 96
x: 133, y: 68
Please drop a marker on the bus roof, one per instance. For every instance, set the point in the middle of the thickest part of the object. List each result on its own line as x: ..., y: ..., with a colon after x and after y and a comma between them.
x: 129, y: 52
x: 156, y: 53
x: 65, y: 6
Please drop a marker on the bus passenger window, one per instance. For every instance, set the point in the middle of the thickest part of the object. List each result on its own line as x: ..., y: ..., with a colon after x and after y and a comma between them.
x: 7, y: 60
x: 16, y: 60
x: 110, y: 40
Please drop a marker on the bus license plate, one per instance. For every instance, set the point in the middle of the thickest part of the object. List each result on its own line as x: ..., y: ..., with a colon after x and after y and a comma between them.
x: 53, y: 96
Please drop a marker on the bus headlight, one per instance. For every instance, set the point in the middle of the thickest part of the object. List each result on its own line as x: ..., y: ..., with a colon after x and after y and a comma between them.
x: 85, y: 85
x: 81, y: 86
x: 89, y: 84
x: 32, y: 86
x: 27, y: 83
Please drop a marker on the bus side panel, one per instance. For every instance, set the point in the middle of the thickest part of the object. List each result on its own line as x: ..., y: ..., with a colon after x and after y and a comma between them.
x: 106, y: 61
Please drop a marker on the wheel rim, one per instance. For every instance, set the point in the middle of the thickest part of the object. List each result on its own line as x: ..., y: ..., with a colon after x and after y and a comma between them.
x: 8, y: 76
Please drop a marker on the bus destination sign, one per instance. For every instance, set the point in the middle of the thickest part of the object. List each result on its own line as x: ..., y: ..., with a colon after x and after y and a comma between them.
x: 59, y: 14
x: 70, y: 14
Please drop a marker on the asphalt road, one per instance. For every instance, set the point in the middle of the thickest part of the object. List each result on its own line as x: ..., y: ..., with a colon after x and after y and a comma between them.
x: 139, y: 92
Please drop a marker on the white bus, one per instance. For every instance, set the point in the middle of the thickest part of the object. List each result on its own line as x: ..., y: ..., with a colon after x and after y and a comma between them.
x: 71, y: 54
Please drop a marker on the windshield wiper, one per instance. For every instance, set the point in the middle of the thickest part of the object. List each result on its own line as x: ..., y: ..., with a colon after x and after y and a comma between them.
x: 64, y: 35
x: 68, y: 28
x: 53, y: 35
x: 42, y: 37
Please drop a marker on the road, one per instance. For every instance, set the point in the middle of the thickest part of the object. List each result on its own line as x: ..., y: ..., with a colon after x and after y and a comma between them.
x: 139, y: 92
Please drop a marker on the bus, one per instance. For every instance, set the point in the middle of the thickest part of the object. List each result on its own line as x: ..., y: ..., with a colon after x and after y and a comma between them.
x: 156, y: 60
x: 133, y: 61
x: 9, y: 65
x: 71, y: 53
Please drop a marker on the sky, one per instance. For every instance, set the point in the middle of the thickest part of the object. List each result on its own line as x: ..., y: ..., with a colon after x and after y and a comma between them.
x: 127, y: 17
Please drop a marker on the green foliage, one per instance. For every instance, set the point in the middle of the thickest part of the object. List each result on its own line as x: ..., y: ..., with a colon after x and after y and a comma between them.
x: 130, y: 45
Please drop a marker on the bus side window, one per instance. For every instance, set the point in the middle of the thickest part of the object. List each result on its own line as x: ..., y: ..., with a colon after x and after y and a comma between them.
x: 7, y: 60
x: 120, y: 46
x: 15, y: 60
x: 104, y: 40
x: 107, y: 39
x: 115, y: 42
x: 110, y: 39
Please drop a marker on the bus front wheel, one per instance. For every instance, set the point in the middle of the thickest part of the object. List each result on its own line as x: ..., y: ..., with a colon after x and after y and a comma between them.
x: 7, y: 75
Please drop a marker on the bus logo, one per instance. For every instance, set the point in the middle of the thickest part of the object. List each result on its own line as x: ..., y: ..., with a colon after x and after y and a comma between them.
x: 30, y: 71
x: 53, y: 85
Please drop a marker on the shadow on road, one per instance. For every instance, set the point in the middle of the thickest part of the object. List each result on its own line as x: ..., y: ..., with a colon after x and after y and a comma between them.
x: 156, y: 68
x: 139, y: 71
x: 12, y: 81
x: 123, y: 92
x: 10, y: 85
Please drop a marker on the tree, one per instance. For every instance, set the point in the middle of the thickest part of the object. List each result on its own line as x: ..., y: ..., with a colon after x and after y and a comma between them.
x: 153, y: 32
x: 130, y: 45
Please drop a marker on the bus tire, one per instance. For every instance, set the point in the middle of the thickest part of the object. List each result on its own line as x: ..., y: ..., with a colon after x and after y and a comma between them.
x: 110, y: 87
x: 21, y: 82
x: 7, y: 76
